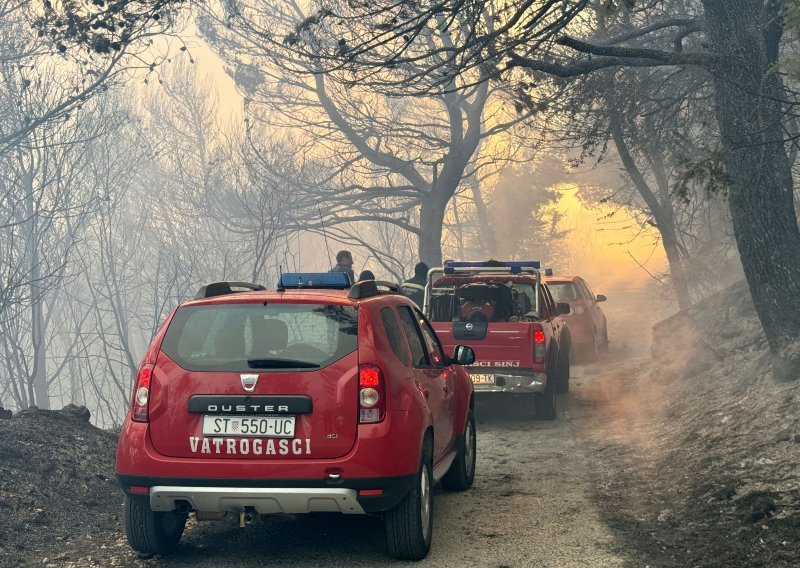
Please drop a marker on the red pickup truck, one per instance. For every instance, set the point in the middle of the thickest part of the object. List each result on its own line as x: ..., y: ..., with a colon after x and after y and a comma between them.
x: 506, y: 314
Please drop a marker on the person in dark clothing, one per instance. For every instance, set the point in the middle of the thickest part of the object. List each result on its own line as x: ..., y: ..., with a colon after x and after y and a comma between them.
x: 366, y: 275
x: 414, y: 287
x: 344, y: 263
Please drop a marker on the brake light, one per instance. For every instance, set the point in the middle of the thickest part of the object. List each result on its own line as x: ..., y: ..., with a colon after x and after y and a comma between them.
x: 538, y: 345
x: 141, y: 394
x: 371, y: 395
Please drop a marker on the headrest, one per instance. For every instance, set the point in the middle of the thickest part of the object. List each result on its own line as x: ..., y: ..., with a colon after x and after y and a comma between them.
x: 229, y: 342
x: 273, y: 334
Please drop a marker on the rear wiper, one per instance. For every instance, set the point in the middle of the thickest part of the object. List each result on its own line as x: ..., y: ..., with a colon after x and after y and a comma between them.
x: 280, y: 364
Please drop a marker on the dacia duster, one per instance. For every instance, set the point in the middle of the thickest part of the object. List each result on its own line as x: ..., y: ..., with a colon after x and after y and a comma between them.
x: 310, y: 398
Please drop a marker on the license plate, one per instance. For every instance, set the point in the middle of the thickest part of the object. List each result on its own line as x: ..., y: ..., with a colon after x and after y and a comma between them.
x: 479, y: 379
x: 267, y: 426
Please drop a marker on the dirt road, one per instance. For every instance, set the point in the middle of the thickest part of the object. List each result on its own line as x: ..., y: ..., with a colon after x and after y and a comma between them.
x: 532, y: 506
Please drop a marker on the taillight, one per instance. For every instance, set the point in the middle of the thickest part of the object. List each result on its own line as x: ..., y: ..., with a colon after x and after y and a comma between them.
x: 538, y: 345
x: 141, y: 394
x: 371, y: 395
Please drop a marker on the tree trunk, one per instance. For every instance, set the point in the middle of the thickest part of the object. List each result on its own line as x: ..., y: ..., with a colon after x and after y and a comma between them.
x: 749, y: 111
x: 677, y: 275
x: 431, y: 219
x: 487, y: 234
x: 38, y: 390
x: 663, y: 214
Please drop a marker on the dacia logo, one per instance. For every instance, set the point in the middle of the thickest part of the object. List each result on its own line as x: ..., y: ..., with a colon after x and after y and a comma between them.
x: 249, y: 382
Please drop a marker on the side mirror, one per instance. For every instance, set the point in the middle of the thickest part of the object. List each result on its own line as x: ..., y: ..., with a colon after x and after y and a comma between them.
x: 463, y: 355
x: 563, y: 308
x: 601, y: 298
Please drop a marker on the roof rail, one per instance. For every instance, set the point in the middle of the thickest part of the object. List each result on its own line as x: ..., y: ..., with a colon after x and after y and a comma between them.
x: 224, y: 288
x: 368, y: 288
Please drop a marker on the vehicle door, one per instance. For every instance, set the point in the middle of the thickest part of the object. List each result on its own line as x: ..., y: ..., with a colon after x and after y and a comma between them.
x: 549, y: 313
x: 593, y: 307
x: 443, y: 375
x: 428, y: 378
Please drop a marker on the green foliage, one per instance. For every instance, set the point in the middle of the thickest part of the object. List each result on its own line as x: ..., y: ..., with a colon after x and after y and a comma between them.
x: 102, y: 26
x: 701, y: 177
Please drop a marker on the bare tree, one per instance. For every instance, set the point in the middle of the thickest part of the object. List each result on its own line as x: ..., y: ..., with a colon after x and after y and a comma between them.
x: 363, y: 156
x: 48, y: 199
x: 736, y: 43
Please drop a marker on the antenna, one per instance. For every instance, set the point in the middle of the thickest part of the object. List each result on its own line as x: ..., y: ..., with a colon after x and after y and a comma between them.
x: 324, y: 233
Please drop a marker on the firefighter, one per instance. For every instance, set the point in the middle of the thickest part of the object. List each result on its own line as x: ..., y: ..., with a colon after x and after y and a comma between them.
x: 366, y: 275
x: 344, y: 263
x: 414, y: 288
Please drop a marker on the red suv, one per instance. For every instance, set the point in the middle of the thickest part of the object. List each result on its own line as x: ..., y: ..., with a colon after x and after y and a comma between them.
x: 586, y: 319
x: 310, y: 398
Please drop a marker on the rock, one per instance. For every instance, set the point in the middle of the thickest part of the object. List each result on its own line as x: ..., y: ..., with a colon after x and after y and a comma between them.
x: 5, y: 414
x: 756, y: 506
x: 80, y: 411
x: 783, y: 437
x: 665, y: 516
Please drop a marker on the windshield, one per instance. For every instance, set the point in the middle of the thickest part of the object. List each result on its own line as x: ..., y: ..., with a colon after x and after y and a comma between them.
x: 483, y: 301
x: 243, y: 337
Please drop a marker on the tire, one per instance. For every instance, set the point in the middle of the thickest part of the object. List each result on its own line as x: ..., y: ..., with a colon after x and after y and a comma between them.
x: 603, y: 348
x: 462, y: 471
x: 409, y: 525
x: 151, y: 532
x: 562, y: 375
x: 545, y: 402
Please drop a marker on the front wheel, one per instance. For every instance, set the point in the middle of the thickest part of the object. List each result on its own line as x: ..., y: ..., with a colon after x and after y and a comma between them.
x: 603, y: 348
x: 462, y: 471
x: 151, y: 532
x: 409, y: 525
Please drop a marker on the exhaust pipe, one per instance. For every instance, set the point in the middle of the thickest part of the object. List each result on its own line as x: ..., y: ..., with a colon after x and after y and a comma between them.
x: 245, y: 518
x: 183, y: 507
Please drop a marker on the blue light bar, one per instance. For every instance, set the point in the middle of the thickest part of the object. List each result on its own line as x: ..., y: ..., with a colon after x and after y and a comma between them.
x: 515, y: 267
x: 315, y: 280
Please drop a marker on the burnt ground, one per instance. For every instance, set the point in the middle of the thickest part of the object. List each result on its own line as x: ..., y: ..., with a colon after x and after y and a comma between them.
x: 703, y: 446
x: 688, y: 458
x: 58, y: 491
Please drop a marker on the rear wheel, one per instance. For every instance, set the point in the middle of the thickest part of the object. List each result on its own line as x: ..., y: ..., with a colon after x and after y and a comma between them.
x: 545, y: 402
x: 462, y: 471
x: 151, y: 532
x: 409, y: 525
x: 562, y: 380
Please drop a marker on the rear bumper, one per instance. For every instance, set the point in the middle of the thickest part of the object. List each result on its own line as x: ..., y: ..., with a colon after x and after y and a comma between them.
x: 272, y: 496
x: 511, y: 381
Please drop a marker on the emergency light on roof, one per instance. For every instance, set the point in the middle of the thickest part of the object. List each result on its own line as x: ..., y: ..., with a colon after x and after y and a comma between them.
x: 314, y: 280
x: 514, y: 267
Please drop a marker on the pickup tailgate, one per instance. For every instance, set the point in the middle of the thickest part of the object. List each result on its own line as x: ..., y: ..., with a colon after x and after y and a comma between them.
x: 496, y: 344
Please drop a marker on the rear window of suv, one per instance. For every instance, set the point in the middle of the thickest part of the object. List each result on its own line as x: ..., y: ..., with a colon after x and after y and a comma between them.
x: 244, y: 337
